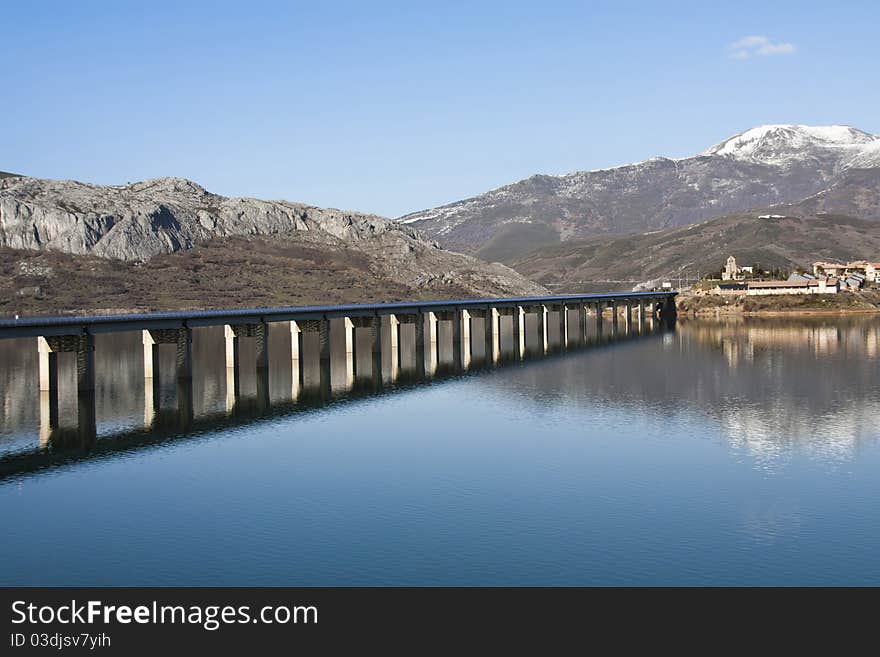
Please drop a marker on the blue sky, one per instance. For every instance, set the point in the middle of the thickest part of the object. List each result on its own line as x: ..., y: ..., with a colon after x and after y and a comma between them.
x: 393, y: 107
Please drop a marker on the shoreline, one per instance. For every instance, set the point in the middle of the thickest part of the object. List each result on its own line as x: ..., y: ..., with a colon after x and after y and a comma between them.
x: 777, y: 313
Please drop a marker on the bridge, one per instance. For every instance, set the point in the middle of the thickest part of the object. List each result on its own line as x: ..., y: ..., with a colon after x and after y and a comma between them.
x: 630, y: 313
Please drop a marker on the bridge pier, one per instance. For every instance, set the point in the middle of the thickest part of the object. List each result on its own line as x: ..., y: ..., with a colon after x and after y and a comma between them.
x: 322, y: 328
x: 376, y: 348
x: 461, y: 339
x: 518, y: 317
x: 181, y: 338
x: 492, y: 331
x: 582, y: 323
x: 563, y: 327
x: 232, y: 334
x: 417, y: 319
x: 542, y: 312
x: 432, y: 342
x: 641, y: 316
x: 599, y: 318
x: 48, y: 348
x: 489, y: 316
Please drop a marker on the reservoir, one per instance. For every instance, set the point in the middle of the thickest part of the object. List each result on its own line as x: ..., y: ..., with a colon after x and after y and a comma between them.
x: 715, y: 453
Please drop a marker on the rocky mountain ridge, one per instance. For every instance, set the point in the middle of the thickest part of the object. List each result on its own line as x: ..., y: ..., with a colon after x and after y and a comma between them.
x: 143, y: 219
x: 66, y: 245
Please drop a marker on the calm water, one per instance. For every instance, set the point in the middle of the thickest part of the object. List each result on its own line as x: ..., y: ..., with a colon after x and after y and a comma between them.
x: 743, y: 453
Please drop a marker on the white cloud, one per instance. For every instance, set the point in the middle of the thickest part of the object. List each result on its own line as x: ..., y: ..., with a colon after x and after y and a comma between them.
x: 759, y: 46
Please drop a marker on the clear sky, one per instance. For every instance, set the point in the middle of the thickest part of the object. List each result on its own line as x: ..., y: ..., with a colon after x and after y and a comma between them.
x: 394, y: 107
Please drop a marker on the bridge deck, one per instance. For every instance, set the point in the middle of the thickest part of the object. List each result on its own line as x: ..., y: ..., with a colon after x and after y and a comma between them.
x: 70, y: 324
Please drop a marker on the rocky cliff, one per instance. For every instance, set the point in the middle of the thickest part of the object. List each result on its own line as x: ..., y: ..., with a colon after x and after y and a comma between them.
x: 144, y: 219
x: 168, y: 243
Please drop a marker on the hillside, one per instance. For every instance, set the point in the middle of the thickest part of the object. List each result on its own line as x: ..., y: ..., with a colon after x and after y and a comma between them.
x: 169, y: 244
x: 257, y: 271
x: 762, y: 167
x: 770, y: 242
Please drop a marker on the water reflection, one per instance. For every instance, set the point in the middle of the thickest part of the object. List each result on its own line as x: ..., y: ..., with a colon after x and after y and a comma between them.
x: 719, y: 453
x: 773, y: 386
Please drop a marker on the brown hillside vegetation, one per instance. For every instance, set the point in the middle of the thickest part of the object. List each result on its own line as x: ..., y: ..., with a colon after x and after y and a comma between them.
x: 786, y: 243
x: 299, y: 269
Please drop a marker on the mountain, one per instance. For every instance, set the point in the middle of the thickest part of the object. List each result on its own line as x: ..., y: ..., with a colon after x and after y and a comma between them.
x: 168, y: 243
x: 763, y: 238
x: 761, y: 167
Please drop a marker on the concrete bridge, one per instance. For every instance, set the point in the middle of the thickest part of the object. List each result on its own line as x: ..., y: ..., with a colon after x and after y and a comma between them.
x: 471, y: 320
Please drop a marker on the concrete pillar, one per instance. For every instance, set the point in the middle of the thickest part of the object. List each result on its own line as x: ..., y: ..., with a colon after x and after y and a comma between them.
x: 232, y: 358
x: 151, y: 354
x: 296, y: 346
x: 261, y: 345
x: 432, y: 343
x: 48, y: 366
x: 350, y: 328
x: 641, y: 316
x: 395, y: 344
x: 582, y: 323
x: 563, y: 327
x: 324, y: 356
x: 491, y: 332
x: 614, y: 317
x: 627, y: 315
x: 461, y: 339
x: 542, y: 328
x: 233, y: 376
x: 376, y: 348
x: 48, y: 361
x: 519, y: 331
x: 85, y: 363
x: 421, y: 363
x: 599, y: 323
x: 297, y: 371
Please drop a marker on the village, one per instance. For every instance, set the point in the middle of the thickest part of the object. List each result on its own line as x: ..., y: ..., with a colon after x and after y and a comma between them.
x: 823, y: 278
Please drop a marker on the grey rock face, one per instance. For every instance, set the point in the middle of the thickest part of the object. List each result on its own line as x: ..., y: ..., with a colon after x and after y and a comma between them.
x: 759, y: 168
x: 144, y: 219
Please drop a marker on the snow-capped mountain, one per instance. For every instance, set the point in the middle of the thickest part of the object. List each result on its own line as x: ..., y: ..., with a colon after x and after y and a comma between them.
x: 758, y: 168
x: 782, y: 144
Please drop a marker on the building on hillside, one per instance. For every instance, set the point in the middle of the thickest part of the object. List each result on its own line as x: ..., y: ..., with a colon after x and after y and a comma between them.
x: 828, y: 268
x: 870, y: 271
x: 729, y: 289
x: 730, y: 272
x: 830, y: 285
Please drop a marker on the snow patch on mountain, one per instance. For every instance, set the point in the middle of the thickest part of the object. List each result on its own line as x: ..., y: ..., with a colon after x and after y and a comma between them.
x: 782, y: 144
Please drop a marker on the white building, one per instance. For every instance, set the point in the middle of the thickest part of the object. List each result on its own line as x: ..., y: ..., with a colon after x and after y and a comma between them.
x: 730, y: 271
x: 829, y: 285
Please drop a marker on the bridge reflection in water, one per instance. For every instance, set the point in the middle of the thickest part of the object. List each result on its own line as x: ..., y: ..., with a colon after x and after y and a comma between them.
x: 218, y: 375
